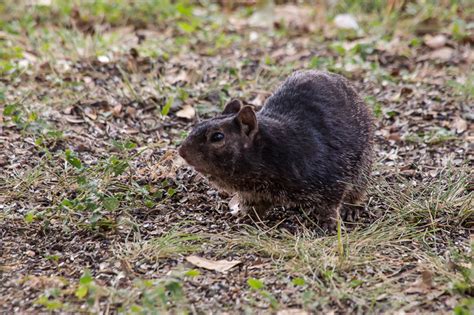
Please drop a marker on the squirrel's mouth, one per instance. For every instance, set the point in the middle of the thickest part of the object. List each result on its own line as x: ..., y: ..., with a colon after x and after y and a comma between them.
x: 193, y: 162
x: 204, y: 172
x: 199, y: 169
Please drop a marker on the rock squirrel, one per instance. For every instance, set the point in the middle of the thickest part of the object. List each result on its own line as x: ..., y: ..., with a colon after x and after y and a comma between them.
x: 310, y: 146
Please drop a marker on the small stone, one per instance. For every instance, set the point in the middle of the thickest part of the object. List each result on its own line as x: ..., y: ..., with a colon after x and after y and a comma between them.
x: 103, y: 59
x: 346, y: 21
x: 253, y: 36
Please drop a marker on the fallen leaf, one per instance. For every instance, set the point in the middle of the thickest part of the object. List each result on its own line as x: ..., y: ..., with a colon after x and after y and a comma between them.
x: 6, y: 268
x: 394, y: 46
x: 427, y: 278
x: 423, y: 284
x: 218, y: 265
x: 68, y: 110
x: 41, y: 282
x: 116, y: 110
x: 126, y: 267
x: 294, y: 17
x: 167, y: 166
x: 181, y: 77
x: 443, y: 54
x: 90, y: 113
x: 459, y: 124
x: 435, y: 42
x: 395, y: 136
x: 346, y: 21
x: 131, y: 111
x: 187, y: 112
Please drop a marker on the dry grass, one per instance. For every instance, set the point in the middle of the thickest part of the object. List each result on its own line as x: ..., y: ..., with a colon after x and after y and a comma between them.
x: 389, y: 261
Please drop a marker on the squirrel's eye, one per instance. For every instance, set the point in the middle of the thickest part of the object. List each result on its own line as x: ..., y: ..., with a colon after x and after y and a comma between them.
x: 217, y: 136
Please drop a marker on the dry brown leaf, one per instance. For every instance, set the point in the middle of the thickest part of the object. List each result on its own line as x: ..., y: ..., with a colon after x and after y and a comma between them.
x: 395, y: 46
x: 116, y: 110
x: 218, y: 265
x: 6, y: 268
x: 131, y: 111
x: 423, y: 284
x: 395, y: 136
x: 68, y: 110
x: 167, y: 166
x: 194, y: 76
x: 459, y: 124
x: 41, y: 282
x: 127, y: 268
x: 90, y: 113
x: 295, y: 17
x: 435, y: 42
x: 182, y: 76
x: 443, y: 54
x: 187, y: 112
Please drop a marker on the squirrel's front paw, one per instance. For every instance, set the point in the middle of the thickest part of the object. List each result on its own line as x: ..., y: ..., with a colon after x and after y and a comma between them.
x: 236, y: 207
x: 350, y: 213
x: 243, y: 209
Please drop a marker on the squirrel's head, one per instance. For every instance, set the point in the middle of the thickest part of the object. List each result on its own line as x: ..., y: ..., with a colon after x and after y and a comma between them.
x: 217, y: 145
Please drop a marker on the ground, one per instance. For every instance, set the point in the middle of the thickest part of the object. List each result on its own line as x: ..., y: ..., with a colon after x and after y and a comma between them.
x: 97, y: 213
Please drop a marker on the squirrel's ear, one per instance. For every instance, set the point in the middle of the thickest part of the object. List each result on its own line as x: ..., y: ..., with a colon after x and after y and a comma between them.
x: 248, y: 121
x: 232, y: 107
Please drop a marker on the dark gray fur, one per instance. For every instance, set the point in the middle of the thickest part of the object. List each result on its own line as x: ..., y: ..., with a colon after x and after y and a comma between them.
x: 312, y: 148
